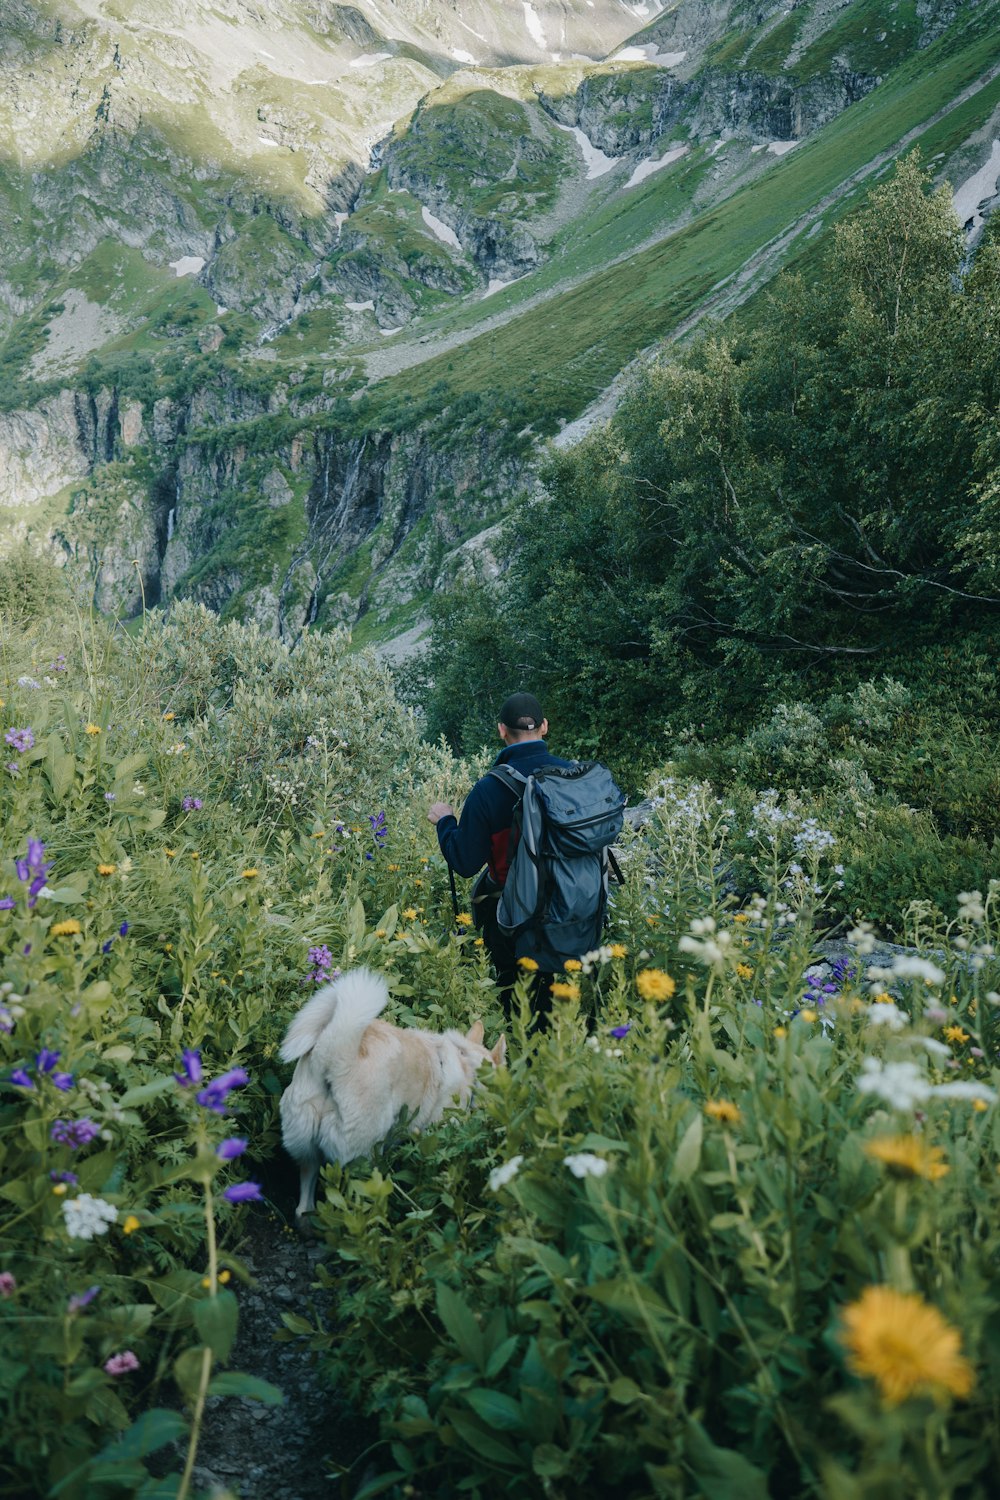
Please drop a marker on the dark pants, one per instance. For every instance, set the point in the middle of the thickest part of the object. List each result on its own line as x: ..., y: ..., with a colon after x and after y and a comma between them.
x: 500, y: 946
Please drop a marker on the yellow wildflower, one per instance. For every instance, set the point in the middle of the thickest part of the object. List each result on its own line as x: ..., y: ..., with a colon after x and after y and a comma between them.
x: 572, y: 966
x: 195, y: 854
x: 320, y: 835
x: 529, y: 964
x: 424, y: 860
x: 106, y: 869
x: 410, y: 913
x: 884, y: 998
x: 479, y: 943
x: 904, y: 1345
x: 744, y: 971
x: 908, y: 1156
x: 418, y: 882
x: 225, y: 1276
x: 168, y: 716
x: 654, y: 984
x: 393, y: 868
x: 464, y: 919
x: 131, y: 1224
x: 618, y: 950
x: 65, y: 929
x: 170, y: 853
x: 92, y: 729
x: 59, y: 1189
x: 740, y: 916
x: 979, y: 1105
x: 955, y: 1034
x: 723, y: 1110
x: 809, y: 1015
x: 380, y: 932
x: 251, y: 872
x: 780, y: 1031
x: 563, y: 991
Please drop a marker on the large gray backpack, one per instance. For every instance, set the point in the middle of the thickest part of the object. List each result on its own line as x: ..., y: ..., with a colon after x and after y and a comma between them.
x: 556, y: 890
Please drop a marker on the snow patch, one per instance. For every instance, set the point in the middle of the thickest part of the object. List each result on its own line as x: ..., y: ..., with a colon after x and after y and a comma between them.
x: 595, y: 161
x: 778, y: 148
x: 647, y: 168
x: 360, y: 306
x: 266, y: 140
x: 438, y: 227
x: 220, y: 311
x: 650, y: 53
x: 534, y: 26
x: 463, y: 57
x: 387, y: 333
x: 369, y: 59
x: 188, y: 265
x: 497, y: 285
x: 265, y: 54
x: 340, y: 219
x: 755, y: 149
x: 978, y: 187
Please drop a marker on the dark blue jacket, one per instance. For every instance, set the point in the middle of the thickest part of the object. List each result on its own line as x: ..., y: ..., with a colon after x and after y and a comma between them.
x: 481, y: 836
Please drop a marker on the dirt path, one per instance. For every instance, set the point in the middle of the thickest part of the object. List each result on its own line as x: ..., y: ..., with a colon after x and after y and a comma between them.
x: 286, y: 1452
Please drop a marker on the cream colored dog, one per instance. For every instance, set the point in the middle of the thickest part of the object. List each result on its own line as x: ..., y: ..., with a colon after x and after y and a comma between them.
x: 356, y: 1074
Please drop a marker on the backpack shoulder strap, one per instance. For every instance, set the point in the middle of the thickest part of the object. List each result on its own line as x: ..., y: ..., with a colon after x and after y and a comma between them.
x: 512, y: 779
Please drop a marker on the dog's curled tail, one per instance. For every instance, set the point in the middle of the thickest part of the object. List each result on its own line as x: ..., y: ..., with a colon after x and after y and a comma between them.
x: 342, y: 1010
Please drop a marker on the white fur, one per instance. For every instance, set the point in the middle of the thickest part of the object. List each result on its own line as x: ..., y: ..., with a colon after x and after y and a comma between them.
x: 355, y: 1075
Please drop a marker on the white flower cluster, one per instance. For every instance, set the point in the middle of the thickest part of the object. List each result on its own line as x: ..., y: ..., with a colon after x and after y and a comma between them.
x: 706, y: 943
x: 688, y: 805
x: 601, y: 955
x: 888, y: 1015
x: 179, y: 749
x: 862, y: 937
x: 586, y: 1164
x: 903, y: 1085
x: 812, y: 839
x: 971, y: 907
x: 500, y: 1176
x: 905, y: 966
x: 87, y: 1217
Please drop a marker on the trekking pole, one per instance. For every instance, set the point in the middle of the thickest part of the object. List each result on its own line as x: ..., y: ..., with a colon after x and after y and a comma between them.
x: 454, y: 891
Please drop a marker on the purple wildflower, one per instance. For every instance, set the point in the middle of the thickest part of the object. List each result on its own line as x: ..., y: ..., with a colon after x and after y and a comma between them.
x: 121, y: 1364
x: 13, y: 768
x: 6, y: 1020
x: 191, y: 1063
x: 59, y: 665
x: 74, y: 1133
x: 8, y: 1283
x: 620, y: 1031
x: 380, y: 829
x: 21, y: 1078
x: 109, y: 796
x: 62, y: 1081
x: 321, y: 959
x: 242, y: 1192
x: 33, y: 867
x: 45, y: 1060
x: 82, y: 1299
x: 106, y: 947
x: 7, y: 903
x: 20, y: 740
x: 191, y: 804
x: 70, y: 1178
x: 215, y: 1095
x: 228, y: 1150
x: 123, y: 930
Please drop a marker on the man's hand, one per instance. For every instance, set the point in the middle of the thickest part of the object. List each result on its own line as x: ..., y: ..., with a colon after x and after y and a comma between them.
x: 438, y: 810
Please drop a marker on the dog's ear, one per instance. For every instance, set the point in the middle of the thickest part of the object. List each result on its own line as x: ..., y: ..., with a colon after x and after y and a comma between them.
x: 499, y: 1053
x: 475, y: 1033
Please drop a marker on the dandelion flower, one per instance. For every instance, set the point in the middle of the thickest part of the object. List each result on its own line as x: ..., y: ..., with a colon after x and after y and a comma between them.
x: 723, y: 1110
x: 251, y: 873
x: 908, y: 1156
x: 619, y: 950
x: 654, y: 984
x: 131, y: 1224
x: 904, y: 1345
x: 779, y: 1032
x: 572, y: 966
x: 561, y: 991
x: 955, y: 1034
x: 410, y: 914
x: 168, y: 717
x: 808, y: 1015
x: 464, y: 919
x: 744, y: 971
x: 106, y: 869
x: 740, y: 916
x: 92, y: 729
x: 529, y: 964
x: 170, y: 853
x: 68, y: 928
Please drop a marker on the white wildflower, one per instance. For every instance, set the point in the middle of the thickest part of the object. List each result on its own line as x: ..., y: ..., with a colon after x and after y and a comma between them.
x: 888, y: 1015
x: 862, y: 937
x: 901, y: 1084
x: 908, y: 966
x: 500, y: 1176
x: 138, y: 790
x: 992, y: 998
x: 934, y: 1047
x: 970, y: 906
x: 585, y: 1164
x: 87, y: 1217
x: 966, y: 1089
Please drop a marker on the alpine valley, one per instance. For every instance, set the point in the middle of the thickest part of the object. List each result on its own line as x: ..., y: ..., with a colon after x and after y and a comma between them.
x: 293, y: 294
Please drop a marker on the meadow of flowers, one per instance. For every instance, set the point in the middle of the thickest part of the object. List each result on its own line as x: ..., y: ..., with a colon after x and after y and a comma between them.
x: 732, y: 1228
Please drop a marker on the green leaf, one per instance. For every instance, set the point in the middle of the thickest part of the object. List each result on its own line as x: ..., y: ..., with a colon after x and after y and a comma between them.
x: 379, y: 1484
x: 550, y: 1462
x: 624, y: 1391
x: 148, y: 1433
x: 146, y: 1091
x: 215, y: 1319
x: 688, y: 1152
x: 354, y: 935
x: 460, y: 1324
x: 250, y: 1387
x: 296, y: 1324
x: 501, y: 1412
x: 187, y: 1372
x: 722, y: 1473
x: 482, y: 1442
x: 501, y: 1356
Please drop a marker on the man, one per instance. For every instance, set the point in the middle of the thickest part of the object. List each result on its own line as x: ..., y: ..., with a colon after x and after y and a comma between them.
x: 482, y: 837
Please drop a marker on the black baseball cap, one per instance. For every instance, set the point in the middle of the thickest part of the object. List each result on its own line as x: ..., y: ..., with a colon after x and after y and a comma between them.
x: 522, y: 711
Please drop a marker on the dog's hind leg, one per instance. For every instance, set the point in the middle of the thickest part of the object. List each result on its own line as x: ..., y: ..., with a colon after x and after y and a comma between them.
x: 308, y: 1178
